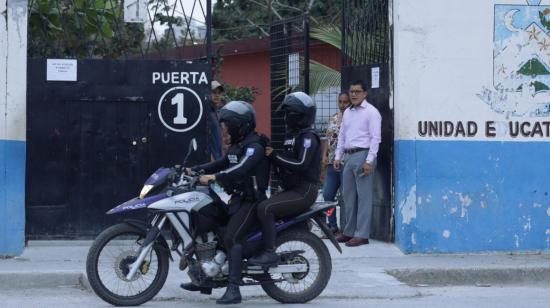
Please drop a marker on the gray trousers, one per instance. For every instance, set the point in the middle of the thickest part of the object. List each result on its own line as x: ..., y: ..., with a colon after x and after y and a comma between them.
x: 342, y: 210
x: 357, y: 190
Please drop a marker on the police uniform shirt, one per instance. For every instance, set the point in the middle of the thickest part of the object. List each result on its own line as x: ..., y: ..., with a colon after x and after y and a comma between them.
x: 301, y: 158
x: 242, y: 161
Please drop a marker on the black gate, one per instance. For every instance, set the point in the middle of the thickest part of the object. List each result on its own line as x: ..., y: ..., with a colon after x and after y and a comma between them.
x: 92, y: 143
x: 366, y: 56
x: 97, y: 128
x: 289, y: 70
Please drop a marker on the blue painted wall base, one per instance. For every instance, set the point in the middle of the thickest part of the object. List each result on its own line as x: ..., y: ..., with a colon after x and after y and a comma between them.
x: 472, y: 196
x: 12, y: 197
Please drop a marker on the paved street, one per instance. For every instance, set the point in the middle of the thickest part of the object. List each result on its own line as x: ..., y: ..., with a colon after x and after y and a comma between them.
x: 449, y: 297
x: 51, y: 274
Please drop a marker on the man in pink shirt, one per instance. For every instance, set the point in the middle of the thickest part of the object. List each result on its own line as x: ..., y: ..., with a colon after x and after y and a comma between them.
x: 358, y: 141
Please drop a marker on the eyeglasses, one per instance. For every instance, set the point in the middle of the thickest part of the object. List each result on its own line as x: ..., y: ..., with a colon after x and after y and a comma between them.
x: 356, y: 91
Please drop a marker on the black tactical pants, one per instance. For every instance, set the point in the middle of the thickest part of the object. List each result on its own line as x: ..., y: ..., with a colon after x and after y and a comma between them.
x: 286, y: 203
x: 241, y: 222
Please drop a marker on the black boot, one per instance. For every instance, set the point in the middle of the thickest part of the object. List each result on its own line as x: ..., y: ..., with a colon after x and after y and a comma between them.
x: 189, y: 286
x: 268, y: 257
x: 232, y: 295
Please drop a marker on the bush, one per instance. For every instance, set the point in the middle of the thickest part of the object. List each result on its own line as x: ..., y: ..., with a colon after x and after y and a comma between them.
x: 247, y: 94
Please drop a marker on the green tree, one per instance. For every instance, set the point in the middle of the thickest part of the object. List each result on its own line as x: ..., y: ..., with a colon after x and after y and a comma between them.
x: 236, y: 19
x: 80, y: 28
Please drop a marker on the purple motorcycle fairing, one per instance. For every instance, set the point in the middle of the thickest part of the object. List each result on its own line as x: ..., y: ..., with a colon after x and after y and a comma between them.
x: 159, y: 176
x: 279, y: 226
x: 287, y: 222
x: 136, y: 203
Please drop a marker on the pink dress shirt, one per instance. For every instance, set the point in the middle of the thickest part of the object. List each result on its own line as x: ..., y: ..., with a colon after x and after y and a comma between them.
x: 361, y: 128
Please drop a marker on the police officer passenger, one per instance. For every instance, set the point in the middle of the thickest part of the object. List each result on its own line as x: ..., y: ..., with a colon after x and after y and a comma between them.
x: 244, y: 174
x: 299, y: 165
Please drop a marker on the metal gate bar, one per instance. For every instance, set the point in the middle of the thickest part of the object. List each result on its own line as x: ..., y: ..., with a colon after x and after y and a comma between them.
x: 365, y: 26
x: 289, y: 70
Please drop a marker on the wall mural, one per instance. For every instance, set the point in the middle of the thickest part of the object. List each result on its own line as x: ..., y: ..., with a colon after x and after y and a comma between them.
x: 521, y: 61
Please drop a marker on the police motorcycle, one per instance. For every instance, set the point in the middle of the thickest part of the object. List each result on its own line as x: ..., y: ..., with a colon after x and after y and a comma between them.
x: 127, y: 264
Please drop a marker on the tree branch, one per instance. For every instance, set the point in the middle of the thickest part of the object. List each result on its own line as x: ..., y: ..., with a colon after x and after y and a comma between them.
x: 255, y: 25
x: 266, y: 7
x: 287, y: 6
x: 310, y: 5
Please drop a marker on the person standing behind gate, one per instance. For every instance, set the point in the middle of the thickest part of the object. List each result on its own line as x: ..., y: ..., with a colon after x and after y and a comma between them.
x: 215, y: 139
x: 333, y: 178
x: 358, y: 140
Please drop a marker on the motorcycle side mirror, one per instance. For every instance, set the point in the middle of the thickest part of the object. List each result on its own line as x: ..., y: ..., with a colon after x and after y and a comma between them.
x: 192, y: 148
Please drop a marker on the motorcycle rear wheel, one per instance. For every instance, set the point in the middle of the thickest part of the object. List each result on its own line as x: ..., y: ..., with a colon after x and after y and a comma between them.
x: 318, y: 260
x: 111, y: 254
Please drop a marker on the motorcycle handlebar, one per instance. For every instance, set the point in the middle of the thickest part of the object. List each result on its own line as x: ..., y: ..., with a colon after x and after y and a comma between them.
x: 193, y: 177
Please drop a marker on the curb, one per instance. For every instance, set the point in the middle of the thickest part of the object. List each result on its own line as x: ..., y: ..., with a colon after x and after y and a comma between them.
x: 411, y: 277
x: 37, y: 280
x: 472, y: 276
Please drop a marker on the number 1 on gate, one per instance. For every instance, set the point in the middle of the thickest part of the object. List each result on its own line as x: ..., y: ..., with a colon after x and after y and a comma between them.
x: 178, y: 100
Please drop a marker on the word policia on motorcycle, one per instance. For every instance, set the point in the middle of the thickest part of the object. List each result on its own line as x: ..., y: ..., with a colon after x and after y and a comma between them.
x: 127, y: 264
x: 470, y: 129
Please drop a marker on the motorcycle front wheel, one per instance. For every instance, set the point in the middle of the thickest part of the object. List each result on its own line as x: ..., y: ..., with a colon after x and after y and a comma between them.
x: 301, y: 287
x: 109, y: 260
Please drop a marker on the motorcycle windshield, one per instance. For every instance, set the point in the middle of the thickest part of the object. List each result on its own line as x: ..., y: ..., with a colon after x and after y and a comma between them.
x: 158, y: 177
x: 136, y: 204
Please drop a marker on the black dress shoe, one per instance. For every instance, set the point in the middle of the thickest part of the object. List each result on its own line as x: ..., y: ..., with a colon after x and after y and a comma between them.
x: 342, y: 238
x: 357, y: 241
x: 232, y: 295
x: 267, y: 258
x: 194, y: 288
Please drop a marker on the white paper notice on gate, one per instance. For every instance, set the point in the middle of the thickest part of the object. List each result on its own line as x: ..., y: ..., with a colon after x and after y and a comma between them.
x: 375, y: 78
x: 61, y: 70
x: 136, y: 11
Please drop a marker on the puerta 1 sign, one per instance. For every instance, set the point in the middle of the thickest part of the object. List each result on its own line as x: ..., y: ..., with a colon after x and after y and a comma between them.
x: 180, y: 108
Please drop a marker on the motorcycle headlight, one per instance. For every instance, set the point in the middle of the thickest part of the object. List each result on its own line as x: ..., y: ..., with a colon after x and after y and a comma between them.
x: 145, y: 190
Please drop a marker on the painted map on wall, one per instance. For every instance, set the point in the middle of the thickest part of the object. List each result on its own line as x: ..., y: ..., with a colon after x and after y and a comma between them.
x: 521, y: 61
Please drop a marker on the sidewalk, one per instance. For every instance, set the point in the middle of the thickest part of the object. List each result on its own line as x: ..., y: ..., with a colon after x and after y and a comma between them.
x: 368, y: 271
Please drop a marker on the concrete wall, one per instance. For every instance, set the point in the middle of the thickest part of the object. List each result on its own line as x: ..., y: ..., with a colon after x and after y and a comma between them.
x: 13, y: 68
x: 252, y: 70
x: 472, y: 120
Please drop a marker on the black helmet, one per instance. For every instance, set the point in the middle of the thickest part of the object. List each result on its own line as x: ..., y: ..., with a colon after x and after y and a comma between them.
x: 299, y: 110
x: 240, y: 119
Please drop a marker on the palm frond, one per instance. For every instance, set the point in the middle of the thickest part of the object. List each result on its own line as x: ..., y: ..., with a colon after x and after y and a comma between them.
x: 359, y: 46
x: 329, y: 34
x: 322, y: 77
x: 280, y: 75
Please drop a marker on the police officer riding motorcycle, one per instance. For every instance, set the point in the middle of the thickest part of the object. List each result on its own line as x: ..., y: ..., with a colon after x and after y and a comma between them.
x: 244, y: 174
x: 299, y: 167
x: 128, y: 262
